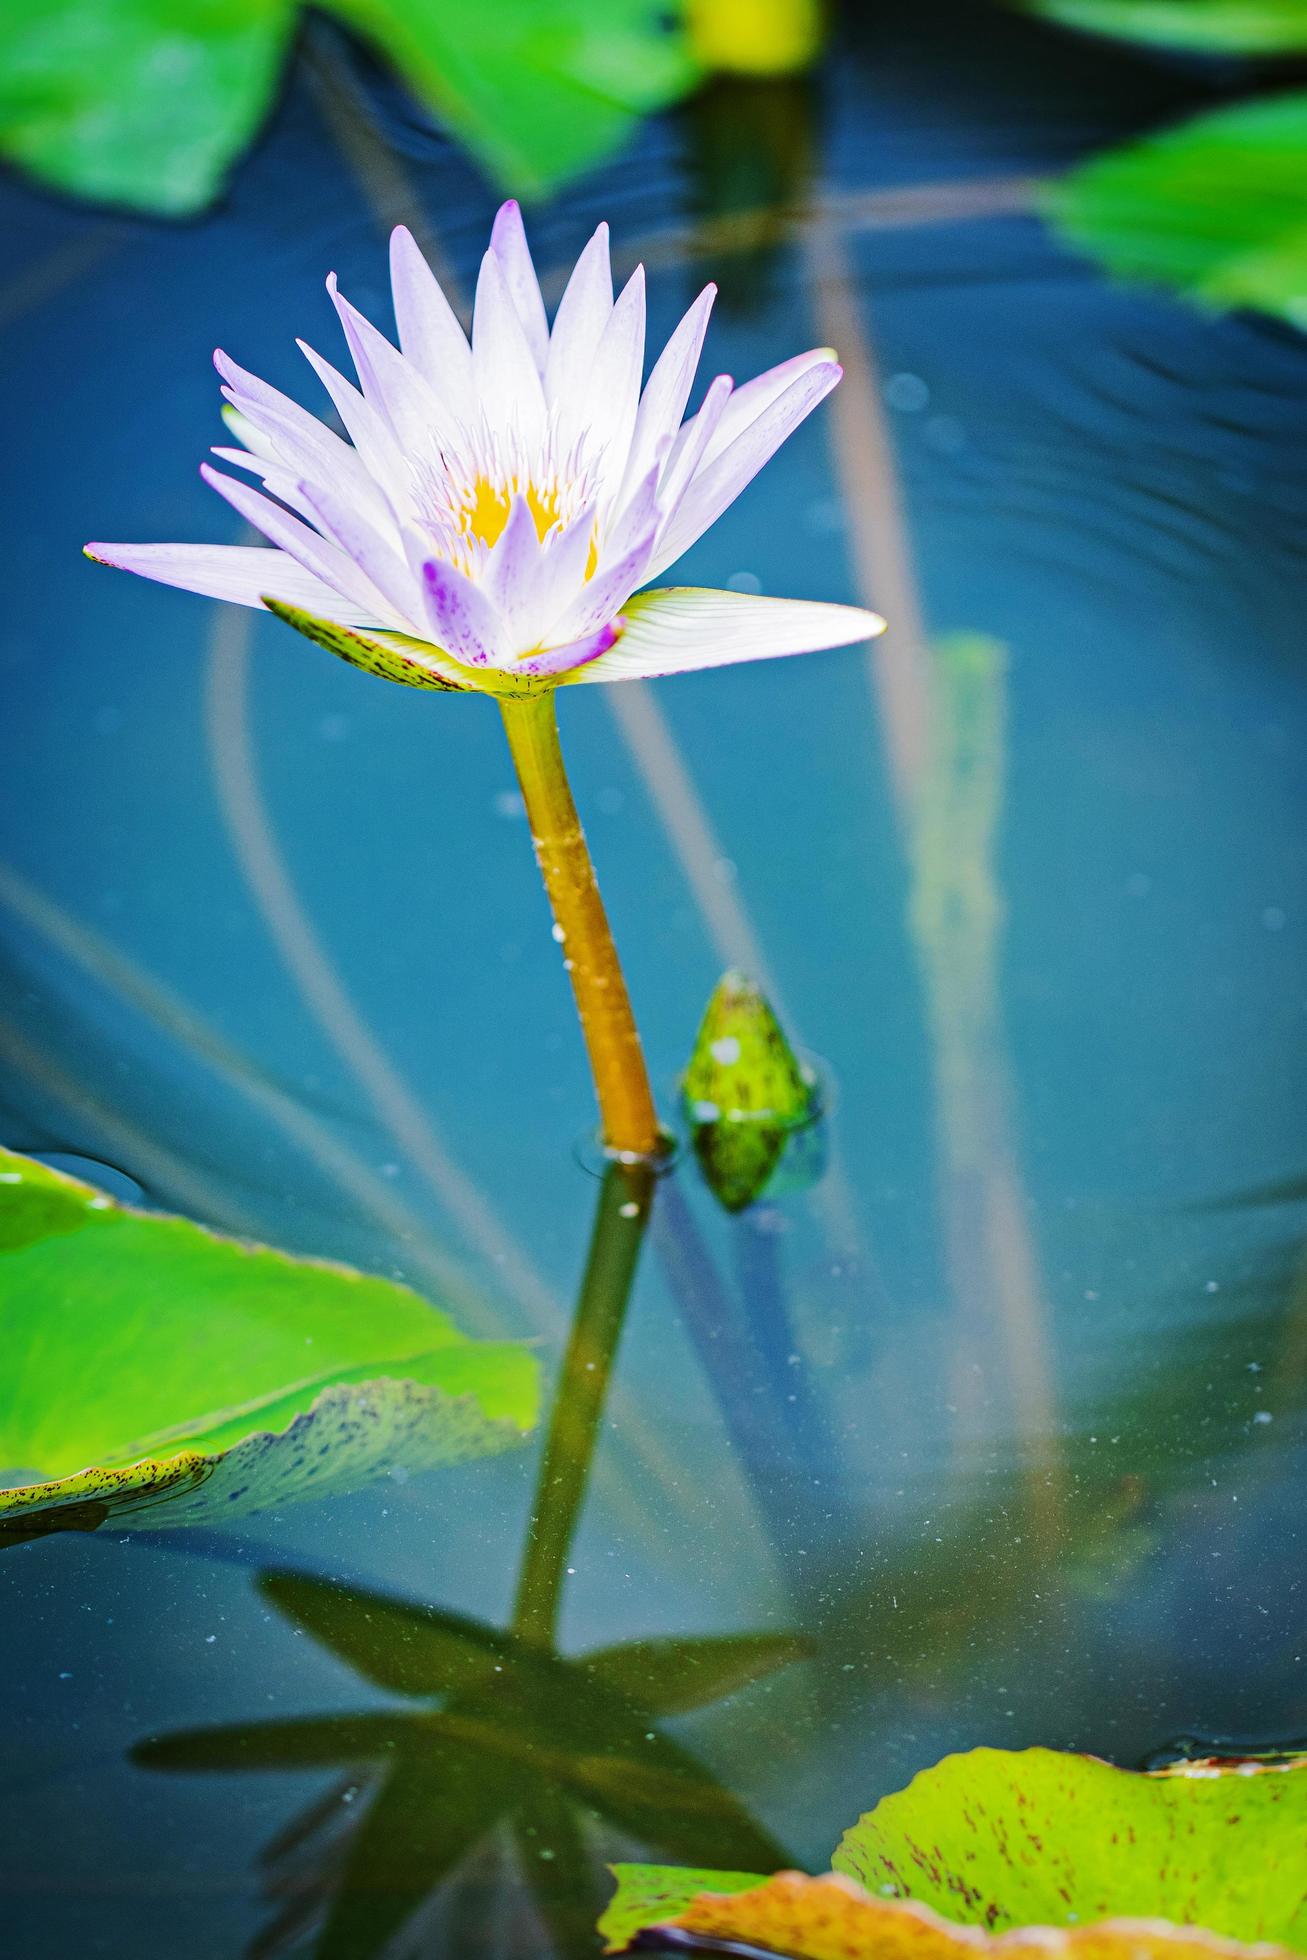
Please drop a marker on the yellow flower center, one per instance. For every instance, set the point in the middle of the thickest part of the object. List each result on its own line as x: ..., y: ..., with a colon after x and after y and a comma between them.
x: 486, y: 506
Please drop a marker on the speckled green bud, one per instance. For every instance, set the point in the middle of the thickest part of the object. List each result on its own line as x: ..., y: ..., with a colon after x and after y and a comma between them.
x: 746, y: 1093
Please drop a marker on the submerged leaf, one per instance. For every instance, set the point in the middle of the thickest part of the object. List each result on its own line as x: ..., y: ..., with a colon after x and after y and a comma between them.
x: 998, y: 1852
x: 671, y: 1677
x: 1214, y: 26
x: 1216, y: 209
x: 218, y: 1376
x: 745, y: 1091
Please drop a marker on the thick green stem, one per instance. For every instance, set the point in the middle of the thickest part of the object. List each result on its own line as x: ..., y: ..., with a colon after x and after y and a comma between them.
x: 626, y: 1107
x: 625, y: 1198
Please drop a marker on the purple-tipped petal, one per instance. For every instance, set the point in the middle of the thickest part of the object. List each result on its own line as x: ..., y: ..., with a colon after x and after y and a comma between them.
x: 239, y: 573
x: 750, y: 399
x: 717, y: 484
x: 683, y: 628
x: 463, y: 621
x: 690, y: 446
x: 577, y: 653
x: 368, y: 430
x: 394, y: 385
x: 325, y: 561
x: 429, y: 331
x: 603, y: 596
x: 375, y: 556
x: 578, y: 328
x: 513, y: 565
x: 508, y: 243
x: 564, y: 560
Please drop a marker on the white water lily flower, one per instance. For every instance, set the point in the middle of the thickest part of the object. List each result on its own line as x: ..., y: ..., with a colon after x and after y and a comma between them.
x: 498, y: 504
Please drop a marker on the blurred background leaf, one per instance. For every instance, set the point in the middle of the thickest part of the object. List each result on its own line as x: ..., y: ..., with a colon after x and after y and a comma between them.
x: 1215, y: 26
x: 138, y: 102
x: 1216, y: 209
x: 148, y: 103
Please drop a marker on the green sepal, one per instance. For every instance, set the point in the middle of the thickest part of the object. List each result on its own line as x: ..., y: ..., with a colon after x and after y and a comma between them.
x: 388, y: 658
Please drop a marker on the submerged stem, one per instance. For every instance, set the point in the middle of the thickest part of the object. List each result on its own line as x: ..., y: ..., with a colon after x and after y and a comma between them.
x: 625, y: 1198
x: 626, y: 1107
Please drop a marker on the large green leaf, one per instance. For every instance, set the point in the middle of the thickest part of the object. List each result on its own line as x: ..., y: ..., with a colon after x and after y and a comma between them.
x: 1216, y: 209
x: 220, y: 1376
x: 1032, y: 1837
x: 1025, y: 1851
x: 147, y: 102
x: 138, y: 102
x: 1215, y: 26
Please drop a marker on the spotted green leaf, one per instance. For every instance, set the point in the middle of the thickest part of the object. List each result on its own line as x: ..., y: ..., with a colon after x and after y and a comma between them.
x: 1022, y: 1851
x: 160, y: 1374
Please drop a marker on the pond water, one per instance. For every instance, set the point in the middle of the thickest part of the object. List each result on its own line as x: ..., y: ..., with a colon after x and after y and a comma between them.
x: 1004, y: 1415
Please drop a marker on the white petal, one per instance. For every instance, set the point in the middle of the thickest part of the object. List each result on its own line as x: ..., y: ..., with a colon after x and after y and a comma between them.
x: 578, y: 328
x: 685, y: 627
x: 560, y: 576
x: 510, y: 396
x: 429, y: 332
x: 241, y: 573
x: 271, y: 423
x: 668, y: 388
x: 508, y: 243
x: 276, y: 478
x: 718, y: 483
x: 368, y: 431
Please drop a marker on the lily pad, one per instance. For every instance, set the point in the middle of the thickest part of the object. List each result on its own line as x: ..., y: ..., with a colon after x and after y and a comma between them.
x: 1215, y: 210
x: 157, y: 1373
x: 1002, y: 1850
x: 1208, y: 26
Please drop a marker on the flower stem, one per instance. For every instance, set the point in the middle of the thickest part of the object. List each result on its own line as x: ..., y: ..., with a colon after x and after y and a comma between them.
x: 626, y: 1106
